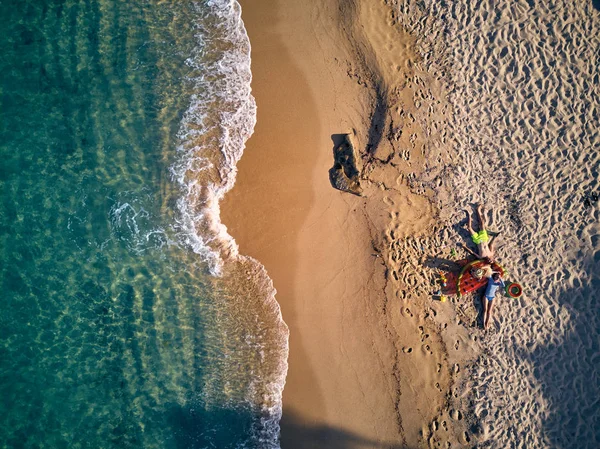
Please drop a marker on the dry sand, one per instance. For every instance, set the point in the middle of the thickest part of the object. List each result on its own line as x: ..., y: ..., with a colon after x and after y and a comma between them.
x: 449, y: 106
x: 523, y: 85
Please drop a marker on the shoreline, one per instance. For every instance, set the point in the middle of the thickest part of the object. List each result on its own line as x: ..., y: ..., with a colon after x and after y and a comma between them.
x: 353, y: 377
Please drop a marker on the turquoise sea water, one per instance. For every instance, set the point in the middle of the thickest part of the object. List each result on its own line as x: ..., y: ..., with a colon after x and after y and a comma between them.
x: 127, y: 319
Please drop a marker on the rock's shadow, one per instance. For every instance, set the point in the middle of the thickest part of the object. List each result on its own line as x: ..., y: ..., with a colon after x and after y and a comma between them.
x: 345, y: 173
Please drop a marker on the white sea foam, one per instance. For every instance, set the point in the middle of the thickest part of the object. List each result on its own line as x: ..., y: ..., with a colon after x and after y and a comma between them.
x: 220, y: 118
x: 135, y: 226
x: 522, y: 78
x: 214, y: 129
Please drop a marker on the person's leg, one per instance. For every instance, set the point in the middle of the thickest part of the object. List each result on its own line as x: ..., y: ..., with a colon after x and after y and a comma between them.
x: 481, y: 216
x: 485, y: 307
x: 490, y: 307
x: 469, y: 223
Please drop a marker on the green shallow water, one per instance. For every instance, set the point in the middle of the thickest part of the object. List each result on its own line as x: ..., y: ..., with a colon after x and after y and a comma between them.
x: 111, y: 334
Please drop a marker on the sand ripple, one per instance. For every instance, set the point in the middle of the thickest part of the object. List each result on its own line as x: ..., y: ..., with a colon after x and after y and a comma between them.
x: 522, y: 79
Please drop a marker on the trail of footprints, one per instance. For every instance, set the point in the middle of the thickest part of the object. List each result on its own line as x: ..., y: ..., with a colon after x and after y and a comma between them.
x: 405, y: 258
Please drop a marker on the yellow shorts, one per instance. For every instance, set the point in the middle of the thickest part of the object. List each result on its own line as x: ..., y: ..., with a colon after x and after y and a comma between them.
x: 480, y: 237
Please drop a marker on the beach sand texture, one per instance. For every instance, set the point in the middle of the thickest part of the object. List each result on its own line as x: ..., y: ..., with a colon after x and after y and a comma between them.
x: 523, y: 84
x: 448, y: 105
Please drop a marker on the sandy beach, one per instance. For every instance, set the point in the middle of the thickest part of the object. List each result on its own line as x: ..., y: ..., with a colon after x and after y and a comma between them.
x: 363, y: 371
x: 262, y: 224
x: 374, y: 359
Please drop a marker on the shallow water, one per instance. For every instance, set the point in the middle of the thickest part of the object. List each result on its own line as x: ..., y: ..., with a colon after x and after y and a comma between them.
x: 115, y: 332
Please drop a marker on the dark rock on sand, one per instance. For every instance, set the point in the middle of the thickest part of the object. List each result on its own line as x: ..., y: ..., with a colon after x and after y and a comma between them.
x: 344, y: 175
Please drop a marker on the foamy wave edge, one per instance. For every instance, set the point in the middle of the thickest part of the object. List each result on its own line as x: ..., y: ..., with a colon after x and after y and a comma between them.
x: 205, y: 180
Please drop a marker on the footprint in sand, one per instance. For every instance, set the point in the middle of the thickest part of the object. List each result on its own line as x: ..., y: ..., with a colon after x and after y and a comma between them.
x: 387, y: 200
x: 456, y: 415
x: 430, y: 312
x: 401, y: 294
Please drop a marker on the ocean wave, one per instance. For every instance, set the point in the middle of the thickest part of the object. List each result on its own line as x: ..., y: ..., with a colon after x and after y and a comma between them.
x: 214, y: 129
x: 212, y: 135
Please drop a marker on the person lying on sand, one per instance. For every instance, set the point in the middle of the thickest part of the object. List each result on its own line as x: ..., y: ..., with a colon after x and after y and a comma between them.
x: 493, y: 285
x: 485, y: 244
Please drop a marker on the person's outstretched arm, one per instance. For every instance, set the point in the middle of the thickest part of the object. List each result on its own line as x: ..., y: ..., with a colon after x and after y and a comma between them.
x: 469, y: 250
